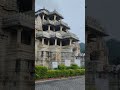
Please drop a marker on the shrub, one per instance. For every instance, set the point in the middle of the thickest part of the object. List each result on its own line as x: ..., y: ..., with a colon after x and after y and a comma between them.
x: 40, y: 72
x: 61, y: 67
x: 74, y: 66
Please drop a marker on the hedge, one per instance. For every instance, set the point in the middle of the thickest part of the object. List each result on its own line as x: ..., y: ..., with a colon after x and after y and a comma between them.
x: 40, y: 72
x: 43, y: 73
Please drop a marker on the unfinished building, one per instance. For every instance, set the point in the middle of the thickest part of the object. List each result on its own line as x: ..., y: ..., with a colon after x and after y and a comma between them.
x: 96, y: 56
x: 54, y: 43
x: 17, y: 44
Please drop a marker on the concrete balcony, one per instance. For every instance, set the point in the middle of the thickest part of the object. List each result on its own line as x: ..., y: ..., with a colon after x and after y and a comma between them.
x: 66, y: 48
x: 18, y: 19
x: 18, y: 48
x: 25, y: 47
x: 48, y: 22
x: 55, y: 23
x: 49, y: 34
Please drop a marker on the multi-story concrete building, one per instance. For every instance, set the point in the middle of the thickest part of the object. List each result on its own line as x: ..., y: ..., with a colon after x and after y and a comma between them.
x: 96, y: 56
x: 16, y: 44
x: 55, y: 44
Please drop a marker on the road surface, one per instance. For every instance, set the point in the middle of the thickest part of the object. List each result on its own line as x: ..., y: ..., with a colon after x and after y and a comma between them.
x: 68, y: 84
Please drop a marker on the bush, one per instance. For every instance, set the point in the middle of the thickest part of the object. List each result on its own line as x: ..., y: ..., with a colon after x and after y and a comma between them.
x: 74, y: 66
x: 40, y: 72
x: 62, y: 67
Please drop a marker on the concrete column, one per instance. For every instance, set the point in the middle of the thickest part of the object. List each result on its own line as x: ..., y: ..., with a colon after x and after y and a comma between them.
x: 61, y: 27
x: 48, y: 42
x: 43, y: 17
x: 54, y: 29
x: 48, y: 27
x: 70, y: 41
x: 19, y: 36
x: 54, y: 17
x: 55, y: 41
x: 43, y: 41
x: 60, y: 42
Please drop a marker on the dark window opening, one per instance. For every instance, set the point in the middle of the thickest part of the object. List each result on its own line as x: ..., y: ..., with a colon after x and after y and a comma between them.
x: 52, y: 42
x: 45, y: 28
x: 46, y: 42
x: 17, y: 67
x: 26, y: 37
x: 57, y: 28
x: 65, y: 42
x: 57, y: 18
x: 58, y: 42
x: 52, y: 28
x: 64, y: 29
x: 41, y: 53
x: 51, y: 18
x: 24, y: 5
x: 45, y: 17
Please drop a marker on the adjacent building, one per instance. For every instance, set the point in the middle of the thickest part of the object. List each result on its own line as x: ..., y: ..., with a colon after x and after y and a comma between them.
x: 17, y: 44
x: 55, y: 44
x: 96, y: 56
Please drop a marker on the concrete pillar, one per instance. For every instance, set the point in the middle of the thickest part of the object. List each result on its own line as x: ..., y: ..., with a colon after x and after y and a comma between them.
x: 48, y: 27
x: 54, y: 17
x: 55, y: 41
x: 43, y: 41
x: 54, y: 29
x: 48, y: 42
x: 60, y: 42
x: 61, y: 27
x: 70, y: 41
x: 19, y: 36
x: 43, y: 17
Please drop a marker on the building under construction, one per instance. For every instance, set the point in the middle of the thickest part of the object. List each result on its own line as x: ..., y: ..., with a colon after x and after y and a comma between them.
x: 55, y: 44
x: 17, y: 44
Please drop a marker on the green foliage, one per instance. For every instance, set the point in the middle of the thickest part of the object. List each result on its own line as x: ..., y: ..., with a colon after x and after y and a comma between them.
x: 62, y: 67
x: 74, y: 66
x: 40, y: 72
x: 82, y: 47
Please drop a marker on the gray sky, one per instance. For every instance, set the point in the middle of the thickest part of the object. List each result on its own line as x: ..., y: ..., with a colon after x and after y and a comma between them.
x: 107, y: 13
x: 73, y: 12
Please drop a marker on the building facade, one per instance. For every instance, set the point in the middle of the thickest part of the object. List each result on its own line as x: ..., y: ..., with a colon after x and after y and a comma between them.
x: 17, y: 44
x: 96, y: 56
x: 55, y: 44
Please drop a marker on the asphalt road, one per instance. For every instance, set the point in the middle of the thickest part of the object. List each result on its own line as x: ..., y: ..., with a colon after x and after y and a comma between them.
x: 68, y: 84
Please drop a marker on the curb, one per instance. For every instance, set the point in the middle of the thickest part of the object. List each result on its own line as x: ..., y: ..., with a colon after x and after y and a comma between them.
x: 44, y: 81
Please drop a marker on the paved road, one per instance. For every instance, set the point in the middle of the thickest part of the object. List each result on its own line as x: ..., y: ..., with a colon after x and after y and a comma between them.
x: 71, y: 84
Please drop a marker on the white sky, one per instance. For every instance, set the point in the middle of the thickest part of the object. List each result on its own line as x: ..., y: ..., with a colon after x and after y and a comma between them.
x: 73, y: 12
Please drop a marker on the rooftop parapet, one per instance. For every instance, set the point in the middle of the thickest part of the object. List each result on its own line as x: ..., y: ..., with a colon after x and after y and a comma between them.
x: 56, y: 13
x: 45, y: 11
x: 42, y: 11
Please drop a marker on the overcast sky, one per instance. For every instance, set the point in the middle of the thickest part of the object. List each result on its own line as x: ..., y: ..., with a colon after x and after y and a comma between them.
x: 107, y: 13
x: 73, y: 12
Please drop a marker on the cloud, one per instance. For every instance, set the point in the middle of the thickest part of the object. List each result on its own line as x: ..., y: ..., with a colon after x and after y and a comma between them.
x: 48, y: 4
